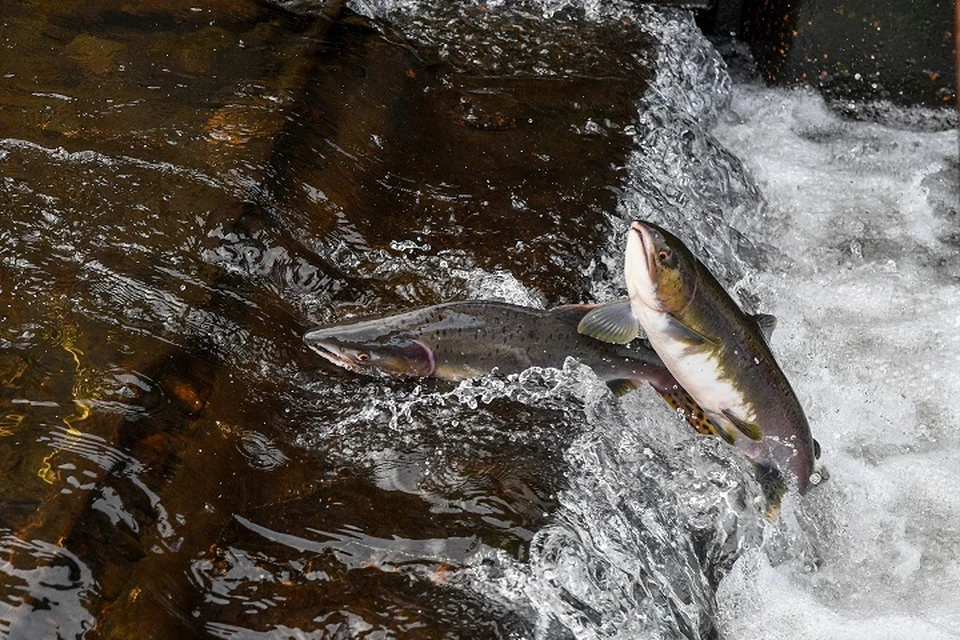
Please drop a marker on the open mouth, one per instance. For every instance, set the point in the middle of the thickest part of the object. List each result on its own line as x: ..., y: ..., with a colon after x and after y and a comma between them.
x: 332, y: 355
x: 646, y: 243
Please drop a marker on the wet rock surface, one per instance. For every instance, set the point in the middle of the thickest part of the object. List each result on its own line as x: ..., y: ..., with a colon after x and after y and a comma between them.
x: 859, y: 52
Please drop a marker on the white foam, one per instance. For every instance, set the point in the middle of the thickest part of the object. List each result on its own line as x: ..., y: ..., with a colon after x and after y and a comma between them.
x: 869, y: 335
x: 853, y: 252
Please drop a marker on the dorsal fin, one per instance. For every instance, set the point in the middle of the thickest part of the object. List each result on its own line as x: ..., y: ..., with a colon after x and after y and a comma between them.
x: 572, y: 313
x: 613, y: 322
x: 767, y: 324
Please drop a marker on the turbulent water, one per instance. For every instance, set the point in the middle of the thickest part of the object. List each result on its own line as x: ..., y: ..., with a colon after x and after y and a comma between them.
x: 860, y: 225
x: 177, y: 465
x: 865, y: 218
x: 848, y: 232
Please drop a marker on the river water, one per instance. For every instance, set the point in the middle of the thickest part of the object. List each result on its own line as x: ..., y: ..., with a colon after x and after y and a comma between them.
x: 185, y: 190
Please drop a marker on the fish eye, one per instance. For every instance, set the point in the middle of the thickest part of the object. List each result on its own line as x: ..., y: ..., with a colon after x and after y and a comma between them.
x: 663, y: 255
x: 363, y: 357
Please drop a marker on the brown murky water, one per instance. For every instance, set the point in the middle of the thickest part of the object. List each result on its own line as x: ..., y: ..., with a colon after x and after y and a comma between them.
x: 184, y: 189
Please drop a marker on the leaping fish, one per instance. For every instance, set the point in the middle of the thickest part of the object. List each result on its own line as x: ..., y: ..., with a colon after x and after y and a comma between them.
x: 717, y: 353
x: 459, y: 340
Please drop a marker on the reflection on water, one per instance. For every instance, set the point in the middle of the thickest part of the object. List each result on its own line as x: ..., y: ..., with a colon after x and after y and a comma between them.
x: 45, y: 590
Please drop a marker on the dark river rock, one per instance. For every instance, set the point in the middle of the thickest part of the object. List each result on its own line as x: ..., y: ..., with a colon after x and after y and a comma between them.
x: 187, y: 188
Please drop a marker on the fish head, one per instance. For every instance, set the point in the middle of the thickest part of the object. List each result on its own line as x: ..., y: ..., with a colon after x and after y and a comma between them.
x: 660, y: 271
x: 392, y: 354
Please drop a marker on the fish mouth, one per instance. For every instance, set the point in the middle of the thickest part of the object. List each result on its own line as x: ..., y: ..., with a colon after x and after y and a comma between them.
x: 329, y: 352
x: 646, y: 243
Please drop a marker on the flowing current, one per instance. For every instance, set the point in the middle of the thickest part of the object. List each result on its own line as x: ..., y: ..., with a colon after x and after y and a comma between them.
x: 176, y: 464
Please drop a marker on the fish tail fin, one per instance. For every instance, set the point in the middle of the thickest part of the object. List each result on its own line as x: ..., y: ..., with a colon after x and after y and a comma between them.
x: 687, y: 408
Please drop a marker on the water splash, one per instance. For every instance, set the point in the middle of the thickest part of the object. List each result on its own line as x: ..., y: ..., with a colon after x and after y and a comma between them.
x: 868, y: 318
x: 644, y: 532
x: 679, y: 175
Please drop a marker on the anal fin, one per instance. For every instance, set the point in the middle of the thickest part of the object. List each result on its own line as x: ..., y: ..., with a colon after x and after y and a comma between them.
x: 767, y: 323
x: 726, y: 436
x: 620, y: 386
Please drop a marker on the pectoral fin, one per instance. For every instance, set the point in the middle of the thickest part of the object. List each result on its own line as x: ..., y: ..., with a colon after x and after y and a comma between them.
x: 613, y: 323
x: 748, y: 429
x: 680, y: 331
